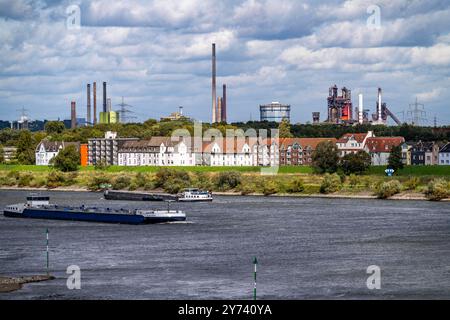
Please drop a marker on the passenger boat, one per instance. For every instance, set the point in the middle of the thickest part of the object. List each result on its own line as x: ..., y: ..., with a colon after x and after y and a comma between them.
x: 195, y: 195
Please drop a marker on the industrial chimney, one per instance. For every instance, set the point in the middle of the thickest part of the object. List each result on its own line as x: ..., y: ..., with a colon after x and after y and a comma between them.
x: 95, y: 101
x: 224, y: 104
x: 219, y: 110
x: 104, y: 97
x: 214, y: 111
x: 361, y: 109
x: 73, y: 115
x: 88, y: 118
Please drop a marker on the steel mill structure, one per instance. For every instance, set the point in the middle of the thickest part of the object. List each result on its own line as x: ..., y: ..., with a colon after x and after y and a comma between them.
x: 219, y: 104
x: 340, y: 109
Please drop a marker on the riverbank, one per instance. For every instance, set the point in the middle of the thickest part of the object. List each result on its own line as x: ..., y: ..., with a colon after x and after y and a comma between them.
x: 10, y: 284
x: 411, y: 196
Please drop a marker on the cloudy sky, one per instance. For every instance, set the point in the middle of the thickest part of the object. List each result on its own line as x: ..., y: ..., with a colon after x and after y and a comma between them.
x: 156, y: 53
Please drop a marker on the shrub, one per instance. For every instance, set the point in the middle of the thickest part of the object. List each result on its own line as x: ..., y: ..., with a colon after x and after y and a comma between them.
x: 228, y: 180
x: 150, y: 185
x: 296, y: 186
x: 174, y: 186
x: 353, y: 181
x: 25, y: 180
x: 121, y: 183
x: 37, y: 182
x: 141, y: 180
x: 270, y: 187
x: 166, y: 175
x: 438, y: 190
x: 97, y: 181
x: 331, y: 183
x: 247, y: 188
x: 203, y: 180
x: 55, y: 179
x: 388, y: 189
x: 412, y: 183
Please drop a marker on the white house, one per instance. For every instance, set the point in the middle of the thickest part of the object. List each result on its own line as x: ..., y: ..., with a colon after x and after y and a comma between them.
x: 380, y: 148
x: 158, y: 151
x: 444, y: 155
x: 224, y: 152
x: 47, y: 150
x: 353, y: 142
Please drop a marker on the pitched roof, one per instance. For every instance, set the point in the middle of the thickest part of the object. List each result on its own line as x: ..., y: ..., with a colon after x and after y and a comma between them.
x: 359, y: 137
x: 383, y: 144
x: 227, y: 145
x: 54, y: 146
x: 304, y: 142
x: 445, y: 148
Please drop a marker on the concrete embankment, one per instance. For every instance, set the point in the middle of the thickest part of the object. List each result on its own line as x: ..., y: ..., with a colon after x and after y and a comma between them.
x: 9, y: 284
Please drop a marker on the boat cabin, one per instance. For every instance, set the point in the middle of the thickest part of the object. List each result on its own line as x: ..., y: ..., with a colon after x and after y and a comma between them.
x: 37, y: 200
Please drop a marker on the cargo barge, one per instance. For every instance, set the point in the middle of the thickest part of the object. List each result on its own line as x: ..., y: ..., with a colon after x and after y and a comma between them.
x: 188, y: 195
x: 38, y: 207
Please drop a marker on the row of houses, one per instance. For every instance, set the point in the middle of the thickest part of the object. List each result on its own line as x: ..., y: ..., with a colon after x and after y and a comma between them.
x: 180, y: 151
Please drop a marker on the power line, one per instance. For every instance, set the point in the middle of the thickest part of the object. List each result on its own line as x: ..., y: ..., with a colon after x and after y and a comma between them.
x: 124, y: 118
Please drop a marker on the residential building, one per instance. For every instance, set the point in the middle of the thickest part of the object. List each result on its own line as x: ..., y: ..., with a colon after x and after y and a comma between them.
x: 9, y: 154
x: 47, y: 150
x: 158, y: 151
x: 406, y: 154
x: 235, y: 152
x: 105, y: 150
x: 444, y: 155
x: 379, y: 148
x: 353, y: 142
x: 299, y: 151
x: 425, y: 153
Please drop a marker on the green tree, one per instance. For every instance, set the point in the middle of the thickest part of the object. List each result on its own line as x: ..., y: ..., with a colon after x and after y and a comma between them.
x: 285, y: 129
x: 26, y: 148
x: 356, y: 163
x: 326, y: 157
x: 395, y: 159
x: 52, y: 127
x: 67, y: 159
x: 2, y: 157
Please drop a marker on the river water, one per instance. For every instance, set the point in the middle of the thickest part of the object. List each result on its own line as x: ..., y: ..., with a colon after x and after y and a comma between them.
x: 306, y: 248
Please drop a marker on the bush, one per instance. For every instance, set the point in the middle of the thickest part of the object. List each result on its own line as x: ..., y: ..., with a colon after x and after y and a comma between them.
x: 229, y: 180
x: 25, y: 180
x: 141, y: 180
x: 55, y: 179
x: 247, y: 188
x: 37, y: 182
x: 438, y: 190
x: 270, y: 187
x: 203, y: 181
x: 121, y: 183
x: 166, y: 175
x: 353, y: 181
x: 96, y: 182
x: 412, y: 183
x: 388, y: 189
x: 331, y: 183
x: 296, y: 186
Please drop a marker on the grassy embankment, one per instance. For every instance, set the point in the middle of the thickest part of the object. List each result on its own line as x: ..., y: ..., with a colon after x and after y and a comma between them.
x: 244, y: 180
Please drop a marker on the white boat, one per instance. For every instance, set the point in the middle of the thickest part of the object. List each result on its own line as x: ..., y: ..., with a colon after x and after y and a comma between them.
x: 195, y: 195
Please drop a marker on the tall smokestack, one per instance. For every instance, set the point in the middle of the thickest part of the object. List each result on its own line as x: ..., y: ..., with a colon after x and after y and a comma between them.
x: 88, y: 118
x: 224, y: 104
x: 73, y: 115
x: 95, y: 101
x: 214, y: 111
x: 380, y: 119
x: 219, y: 110
x: 361, y: 109
x: 104, y: 97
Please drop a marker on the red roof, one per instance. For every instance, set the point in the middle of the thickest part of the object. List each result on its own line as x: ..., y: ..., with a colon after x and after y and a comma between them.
x: 383, y: 144
x: 359, y: 137
x: 304, y: 142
